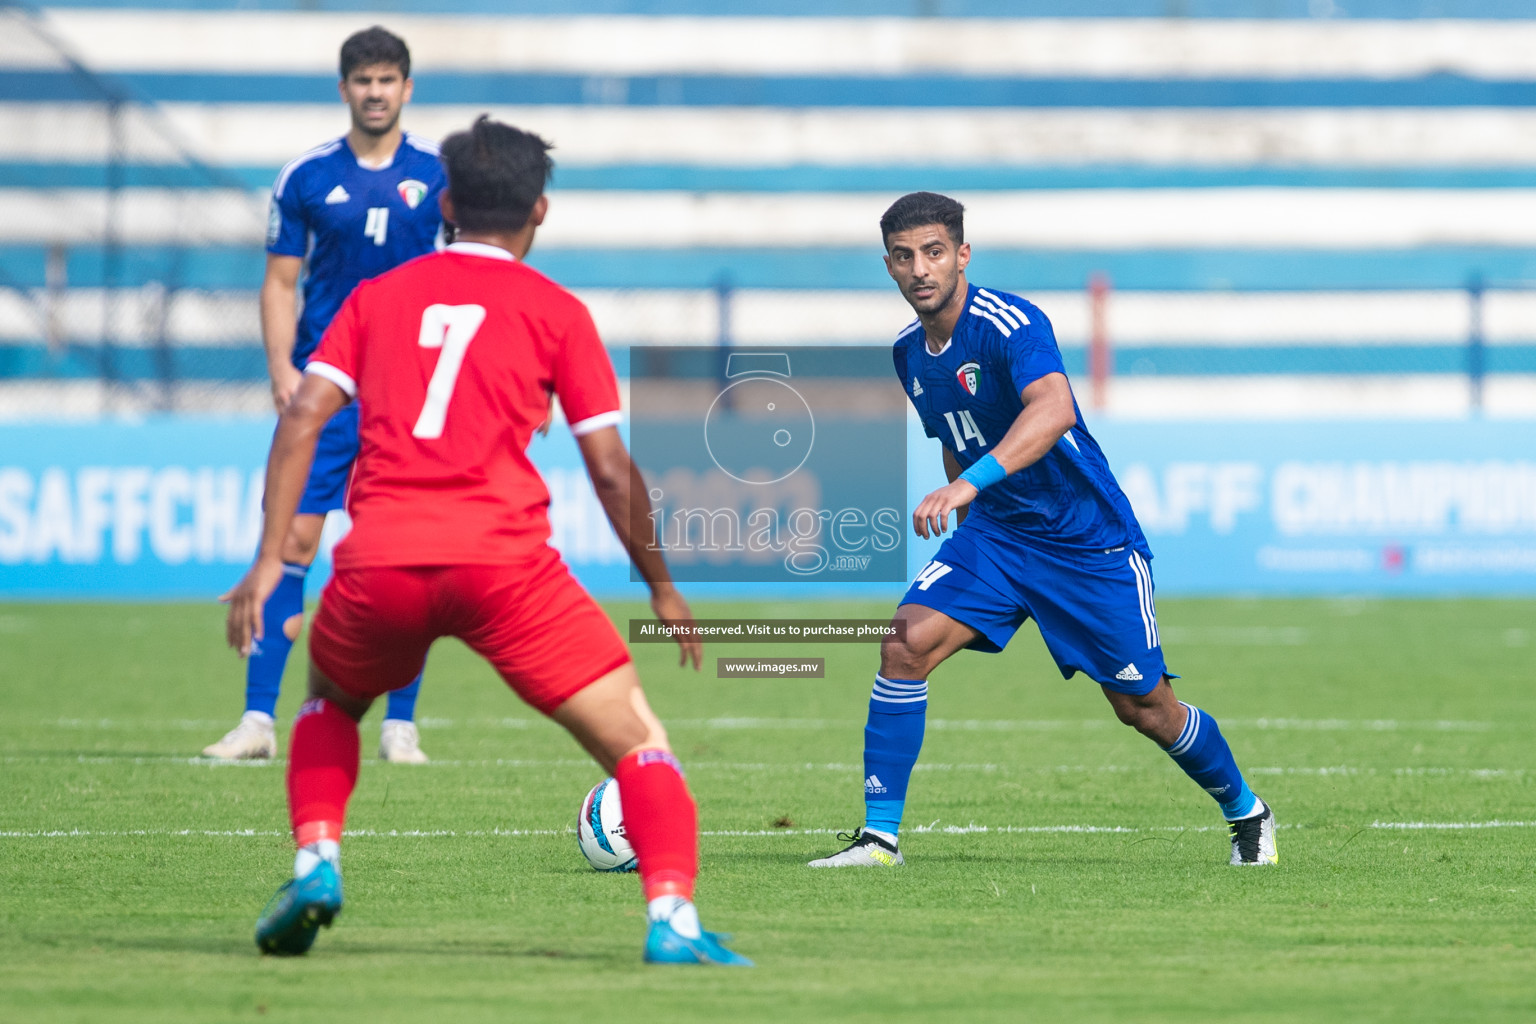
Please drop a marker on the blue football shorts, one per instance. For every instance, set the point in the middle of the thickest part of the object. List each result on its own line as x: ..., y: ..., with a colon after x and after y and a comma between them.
x: 335, y: 452
x: 1094, y: 608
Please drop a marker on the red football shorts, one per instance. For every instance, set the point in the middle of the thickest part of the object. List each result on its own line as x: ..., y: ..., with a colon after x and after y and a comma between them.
x: 532, y: 621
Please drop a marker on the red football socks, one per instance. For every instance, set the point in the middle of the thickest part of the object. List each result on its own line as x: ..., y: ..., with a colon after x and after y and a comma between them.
x: 660, y: 821
x: 322, y: 771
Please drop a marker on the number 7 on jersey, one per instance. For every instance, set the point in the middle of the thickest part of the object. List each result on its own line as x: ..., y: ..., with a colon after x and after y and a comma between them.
x: 451, y: 329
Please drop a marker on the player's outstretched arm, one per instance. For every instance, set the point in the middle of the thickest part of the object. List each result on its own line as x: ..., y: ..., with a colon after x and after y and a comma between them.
x: 279, y: 325
x: 1048, y: 413
x: 293, y: 449
x: 621, y: 490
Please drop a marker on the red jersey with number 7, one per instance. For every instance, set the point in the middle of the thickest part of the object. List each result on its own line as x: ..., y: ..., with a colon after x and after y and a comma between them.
x: 452, y: 358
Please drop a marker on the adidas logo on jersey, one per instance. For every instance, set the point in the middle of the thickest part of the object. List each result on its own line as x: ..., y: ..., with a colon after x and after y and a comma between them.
x: 1128, y: 674
x: 874, y: 785
x: 917, y: 387
x: 337, y: 195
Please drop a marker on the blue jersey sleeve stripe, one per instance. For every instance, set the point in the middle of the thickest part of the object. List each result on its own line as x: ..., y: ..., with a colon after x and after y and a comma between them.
x: 287, y: 172
x: 425, y: 145
x: 1000, y: 309
x: 914, y: 325
x: 1016, y: 310
x: 979, y: 311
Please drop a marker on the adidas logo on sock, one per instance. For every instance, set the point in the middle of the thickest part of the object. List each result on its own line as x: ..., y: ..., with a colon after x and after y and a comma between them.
x: 337, y: 195
x: 874, y: 785
x: 1128, y: 674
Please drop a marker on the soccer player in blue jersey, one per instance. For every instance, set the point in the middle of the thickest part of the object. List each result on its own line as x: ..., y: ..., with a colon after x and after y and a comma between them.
x: 343, y: 212
x: 1043, y: 532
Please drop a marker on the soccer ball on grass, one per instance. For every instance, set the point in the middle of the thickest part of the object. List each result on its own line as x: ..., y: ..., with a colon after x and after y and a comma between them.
x: 600, y: 830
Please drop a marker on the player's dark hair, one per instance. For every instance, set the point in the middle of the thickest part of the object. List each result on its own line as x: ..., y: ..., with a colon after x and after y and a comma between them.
x: 495, y: 175
x: 376, y: 45
x: 916, y: 209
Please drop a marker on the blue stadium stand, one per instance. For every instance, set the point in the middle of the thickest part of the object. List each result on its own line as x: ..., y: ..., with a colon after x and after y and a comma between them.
x: 1209, y: 134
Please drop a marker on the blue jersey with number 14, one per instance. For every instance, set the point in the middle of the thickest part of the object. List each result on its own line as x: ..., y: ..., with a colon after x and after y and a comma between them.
x: 968, y: 396
x: 352, y: 222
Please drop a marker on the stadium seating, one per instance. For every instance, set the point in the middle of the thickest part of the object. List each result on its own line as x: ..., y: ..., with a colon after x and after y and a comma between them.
x: 1294, y: 212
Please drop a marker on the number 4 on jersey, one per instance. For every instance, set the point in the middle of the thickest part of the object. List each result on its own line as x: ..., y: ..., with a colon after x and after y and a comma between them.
x: 451, y: 329
x: 931, y: 574
x: 377, y: 225
x: 964, y: 429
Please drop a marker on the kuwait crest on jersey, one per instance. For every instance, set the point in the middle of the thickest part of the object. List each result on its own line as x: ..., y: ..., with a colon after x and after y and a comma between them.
x: 412, y: 191
x: 969, y: 376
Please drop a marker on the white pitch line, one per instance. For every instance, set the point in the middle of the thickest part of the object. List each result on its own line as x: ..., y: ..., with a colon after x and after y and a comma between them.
x: 1451, y: 825
x: 816, y: 724
x: 1424, y: 771
x: 934, y: 829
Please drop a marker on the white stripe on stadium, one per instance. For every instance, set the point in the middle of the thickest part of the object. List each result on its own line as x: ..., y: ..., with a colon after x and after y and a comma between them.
x: 1117, y: 219
x: 270, y: 134
x: 1073, y: 219
x: 787, y: 317
x: 245, y: 41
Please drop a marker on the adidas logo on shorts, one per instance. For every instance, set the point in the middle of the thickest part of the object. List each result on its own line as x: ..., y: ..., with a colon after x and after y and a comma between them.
x: 1128, y: 674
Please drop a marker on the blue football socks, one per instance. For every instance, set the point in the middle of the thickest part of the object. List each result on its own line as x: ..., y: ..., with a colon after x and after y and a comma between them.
x: 1203, y: 753
x: 402, y: 702
x: 269, y: 655
x: 893, y: 737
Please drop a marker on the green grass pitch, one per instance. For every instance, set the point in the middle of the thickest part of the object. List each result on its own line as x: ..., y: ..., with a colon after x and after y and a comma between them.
x: 131, y: 875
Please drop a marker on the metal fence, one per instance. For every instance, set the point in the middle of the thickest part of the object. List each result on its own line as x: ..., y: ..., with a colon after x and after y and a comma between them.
x: 127, y: 263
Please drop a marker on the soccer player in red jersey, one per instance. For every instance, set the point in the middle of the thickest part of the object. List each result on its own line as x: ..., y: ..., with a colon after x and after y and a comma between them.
x: 452, y: 359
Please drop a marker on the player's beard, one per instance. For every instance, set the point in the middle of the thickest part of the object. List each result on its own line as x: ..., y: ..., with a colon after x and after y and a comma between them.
x: 941, y: 299
x: 374, y: 130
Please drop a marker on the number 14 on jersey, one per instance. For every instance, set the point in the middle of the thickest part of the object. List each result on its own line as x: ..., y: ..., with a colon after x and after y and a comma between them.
x: 966, y: 428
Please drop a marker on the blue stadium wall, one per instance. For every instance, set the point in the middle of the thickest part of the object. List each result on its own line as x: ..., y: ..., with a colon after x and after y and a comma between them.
x: 171, y: 509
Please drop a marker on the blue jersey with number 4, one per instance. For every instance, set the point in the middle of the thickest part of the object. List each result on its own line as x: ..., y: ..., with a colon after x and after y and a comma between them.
x: 968, y: 396
x: 352, y: 222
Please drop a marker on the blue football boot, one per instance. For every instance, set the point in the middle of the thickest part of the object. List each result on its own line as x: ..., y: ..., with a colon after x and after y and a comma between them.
x: 292, y: 918
x: 664, y: 946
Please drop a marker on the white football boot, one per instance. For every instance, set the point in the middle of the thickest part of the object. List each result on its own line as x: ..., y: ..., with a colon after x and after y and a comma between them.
x: 1253, y: 839
x: 865, y: 851
x: 253, y: 739
x: 400, y: 743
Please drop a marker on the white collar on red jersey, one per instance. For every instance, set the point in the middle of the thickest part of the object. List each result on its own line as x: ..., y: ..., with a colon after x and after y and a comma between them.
x: 491, y: 252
